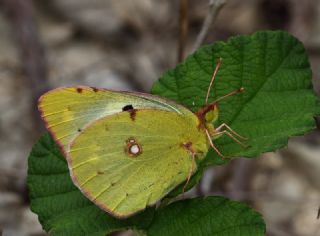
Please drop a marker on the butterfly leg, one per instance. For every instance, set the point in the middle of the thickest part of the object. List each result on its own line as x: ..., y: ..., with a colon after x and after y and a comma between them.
x: 224, y: 125
x: 213, y: 146
x: 231, y: 136
x: 190, y: 171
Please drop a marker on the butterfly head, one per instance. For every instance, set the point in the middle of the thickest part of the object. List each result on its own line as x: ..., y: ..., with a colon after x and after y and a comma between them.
x: 211, y: 114
x: 208, y: 114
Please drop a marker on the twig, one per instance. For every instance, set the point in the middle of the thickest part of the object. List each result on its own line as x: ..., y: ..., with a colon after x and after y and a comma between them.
x: 214, y: 8
x: 20, y: 13
x: 183, y: 28
x: 303, y: 14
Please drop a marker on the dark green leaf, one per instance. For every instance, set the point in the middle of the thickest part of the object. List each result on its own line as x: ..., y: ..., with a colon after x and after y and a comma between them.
x: 211, y: 216
x: 278, y: 101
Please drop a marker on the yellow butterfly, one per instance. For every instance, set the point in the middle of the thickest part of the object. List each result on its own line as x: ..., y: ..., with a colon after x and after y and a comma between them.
x: 126, y: 150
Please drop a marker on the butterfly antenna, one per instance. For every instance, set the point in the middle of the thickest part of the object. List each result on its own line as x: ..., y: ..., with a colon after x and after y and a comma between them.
x: 213, y: 78
x: 240, y: 90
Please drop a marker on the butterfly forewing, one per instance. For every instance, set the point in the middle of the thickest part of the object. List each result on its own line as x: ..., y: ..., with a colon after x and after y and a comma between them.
x: 68, y: 111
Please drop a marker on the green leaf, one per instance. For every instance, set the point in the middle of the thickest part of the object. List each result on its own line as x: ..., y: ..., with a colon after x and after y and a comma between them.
x: 278, y: 101
x: 214, y: 216
x: 60, y: 206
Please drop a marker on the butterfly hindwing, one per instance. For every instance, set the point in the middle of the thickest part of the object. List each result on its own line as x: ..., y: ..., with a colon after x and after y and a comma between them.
x: 124, y: 164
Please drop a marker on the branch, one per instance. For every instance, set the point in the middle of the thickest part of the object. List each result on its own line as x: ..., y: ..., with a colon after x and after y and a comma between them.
x: 33, y: 60
x: 214, y: 8
x: 183, y: 28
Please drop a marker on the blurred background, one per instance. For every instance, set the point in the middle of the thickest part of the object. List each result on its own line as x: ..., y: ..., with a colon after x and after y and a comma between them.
x: 127, y: 45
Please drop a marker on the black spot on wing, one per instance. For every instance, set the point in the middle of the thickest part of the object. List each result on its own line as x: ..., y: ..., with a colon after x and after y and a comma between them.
x: 127, y: 107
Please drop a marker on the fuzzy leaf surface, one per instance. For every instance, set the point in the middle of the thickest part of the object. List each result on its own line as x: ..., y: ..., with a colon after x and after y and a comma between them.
x: 278, y: 101
x: 215, y: 216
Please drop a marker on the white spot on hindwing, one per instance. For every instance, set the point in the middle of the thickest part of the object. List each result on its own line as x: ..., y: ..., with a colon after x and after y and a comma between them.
x: 132, y: 148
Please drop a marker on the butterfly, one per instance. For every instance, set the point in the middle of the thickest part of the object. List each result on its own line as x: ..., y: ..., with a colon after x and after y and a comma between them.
x: 127, y: 150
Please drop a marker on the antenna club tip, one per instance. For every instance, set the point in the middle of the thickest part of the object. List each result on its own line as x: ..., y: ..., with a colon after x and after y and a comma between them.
x: 241, y: 89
